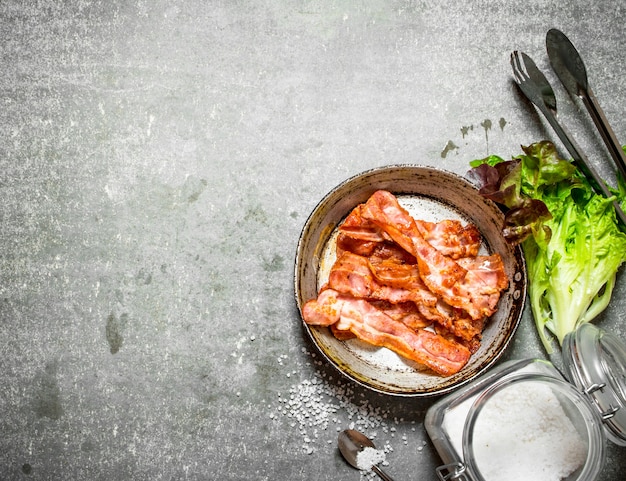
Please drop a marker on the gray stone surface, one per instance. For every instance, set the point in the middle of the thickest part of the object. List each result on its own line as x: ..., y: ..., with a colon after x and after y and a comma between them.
x: 158, y: 160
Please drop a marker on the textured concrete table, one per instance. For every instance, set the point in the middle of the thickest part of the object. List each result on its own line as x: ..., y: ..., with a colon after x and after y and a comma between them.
x: 158, y: 160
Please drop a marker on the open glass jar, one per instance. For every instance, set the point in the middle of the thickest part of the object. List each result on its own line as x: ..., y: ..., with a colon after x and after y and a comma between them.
x: 524, y: 421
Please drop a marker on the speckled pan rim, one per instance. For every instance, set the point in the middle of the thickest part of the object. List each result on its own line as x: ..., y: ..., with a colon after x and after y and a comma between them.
x: 427, y: 184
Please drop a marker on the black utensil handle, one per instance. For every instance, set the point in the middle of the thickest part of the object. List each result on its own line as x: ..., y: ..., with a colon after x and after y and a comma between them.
x: 582, y: 162
x: 612, y: 144
x: 384, y: 476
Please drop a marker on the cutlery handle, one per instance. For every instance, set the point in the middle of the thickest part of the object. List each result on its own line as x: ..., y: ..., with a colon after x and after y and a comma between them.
x: 579, y: 158
x: 612, y: 144
x: 384, y: 476
x: 581, y: 161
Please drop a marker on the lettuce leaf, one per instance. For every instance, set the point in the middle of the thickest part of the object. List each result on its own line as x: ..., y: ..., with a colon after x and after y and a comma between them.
x: 570, y: 236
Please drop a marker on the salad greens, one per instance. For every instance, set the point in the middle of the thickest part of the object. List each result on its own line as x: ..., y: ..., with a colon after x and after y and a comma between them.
x: 570, y: 236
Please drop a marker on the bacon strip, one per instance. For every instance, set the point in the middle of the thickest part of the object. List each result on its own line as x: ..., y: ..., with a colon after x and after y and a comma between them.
x: 395, y: 276
x: 437, y: 271
x: 369, y: 324
x: 359, y: 235
x: 483, y: 283
x: 406, y: 312
x: 325, y: 310
x: 456, y: 321
x: 352, y: 274
x: 443, y: 275
x: 393, y: 273
x: 390, y: 251
x: 451, y: 237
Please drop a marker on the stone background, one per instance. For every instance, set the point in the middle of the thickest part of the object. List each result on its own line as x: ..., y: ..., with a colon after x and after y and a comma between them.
x: 158, y: 160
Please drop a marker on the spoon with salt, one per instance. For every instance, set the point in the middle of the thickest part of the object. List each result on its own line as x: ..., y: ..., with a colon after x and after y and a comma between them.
x: 359, y: 451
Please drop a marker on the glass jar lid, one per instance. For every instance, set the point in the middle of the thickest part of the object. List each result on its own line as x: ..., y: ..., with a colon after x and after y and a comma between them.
x: 595, y: 362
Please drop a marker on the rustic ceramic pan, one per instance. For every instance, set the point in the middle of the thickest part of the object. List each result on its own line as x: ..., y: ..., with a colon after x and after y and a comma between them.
x: 429, y: 194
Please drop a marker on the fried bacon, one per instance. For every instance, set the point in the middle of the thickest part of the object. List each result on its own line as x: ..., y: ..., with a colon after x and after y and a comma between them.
x: 395, y: 277
x: 456, y: 321
x: 358, y: 235
x: 472, y: 344
x: 352, y: 274
x: 451, y: 237
x: 405, y: 312
x: 373, y: 326
x: 325, y: 310
x: 438, y: 272
x: 483, y: 283
x: 444, y: 276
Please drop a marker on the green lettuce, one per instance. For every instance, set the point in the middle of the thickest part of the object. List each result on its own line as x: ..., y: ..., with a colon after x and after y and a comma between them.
x: 572, y: 241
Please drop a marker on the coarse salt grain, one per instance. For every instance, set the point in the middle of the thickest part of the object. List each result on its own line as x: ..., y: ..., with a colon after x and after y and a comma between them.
x: 313, y: 405
x: 368, y: 457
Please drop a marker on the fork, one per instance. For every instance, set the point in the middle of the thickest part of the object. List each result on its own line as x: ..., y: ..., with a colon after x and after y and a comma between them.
x: 533, y: 83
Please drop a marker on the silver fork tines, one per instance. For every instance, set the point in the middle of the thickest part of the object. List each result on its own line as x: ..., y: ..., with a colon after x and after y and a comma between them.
x: 519, y: 72
x: 532, y: 81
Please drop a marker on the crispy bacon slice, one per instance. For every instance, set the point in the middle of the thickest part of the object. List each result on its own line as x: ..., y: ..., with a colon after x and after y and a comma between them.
x: 451, y: 237
x: 488, y: 271
x: 405, y: 312
x: 472, y: 345
x: 479, y: 291
x: 341, y: 334
x: 390, y: 251
x: 444, y: 276
x: 325, y: 310
x: 359, y: 235
x: 352, y: 274
x: 396, y: 279
x: 393, y: 273
x: 360, y: 228
x: 456, y: 321
x: 383, y: 209
x: 483, y: 283
x: 369, y: 324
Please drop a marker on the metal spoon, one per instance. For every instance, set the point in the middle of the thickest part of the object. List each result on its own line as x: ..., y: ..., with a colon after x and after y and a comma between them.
x: 351, y: 443
x: 569, y: 67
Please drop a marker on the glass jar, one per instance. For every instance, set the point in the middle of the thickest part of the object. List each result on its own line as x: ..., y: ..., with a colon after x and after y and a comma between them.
x: 523, y: 420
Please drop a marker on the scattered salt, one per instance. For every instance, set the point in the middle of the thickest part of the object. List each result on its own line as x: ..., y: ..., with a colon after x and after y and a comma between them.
x: 315, y: 406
